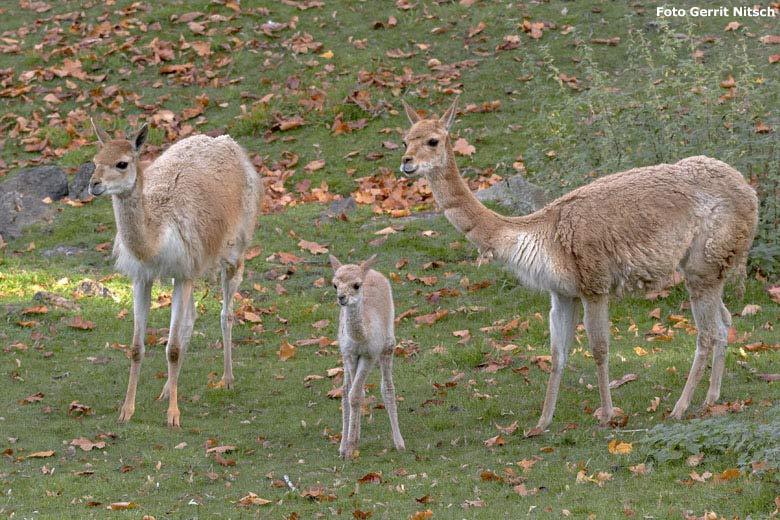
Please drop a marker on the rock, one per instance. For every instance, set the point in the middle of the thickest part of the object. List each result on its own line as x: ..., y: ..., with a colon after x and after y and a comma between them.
x: 40, y: 182
x: 63, y: 250
x: 79, y: 188
x: 19, y: 211
x: 338, y: 208
x: 56, y: 300
x: 516, y: 194
x: 89, y: 287
x: 21, y: 198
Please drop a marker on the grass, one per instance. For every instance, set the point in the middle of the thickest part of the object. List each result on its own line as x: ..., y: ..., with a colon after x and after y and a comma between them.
x: 282, y: 422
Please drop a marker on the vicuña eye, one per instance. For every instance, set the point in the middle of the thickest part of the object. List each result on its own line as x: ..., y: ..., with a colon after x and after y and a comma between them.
x: 335, y: 286
x: 121, y: 165
x: 356, y: 286
x: 433, y: 142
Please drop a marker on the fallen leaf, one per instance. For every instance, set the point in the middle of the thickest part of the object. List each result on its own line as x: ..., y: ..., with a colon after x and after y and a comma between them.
x: 314, y: 165
x: 40, y: 454
x: 122, y: 506
x: 750, y: 309
x: 86, y: 444
x: 39, y: 309
x: 623, y: 380
x: 33, y: 398
x: 312, y: 247
x: 732, y: 26
x: 462, y: 147
x: 619, y: 448
x: 286, y: 351
x: 80, y: 323
x: 498, y: 440
x: 371, y: 478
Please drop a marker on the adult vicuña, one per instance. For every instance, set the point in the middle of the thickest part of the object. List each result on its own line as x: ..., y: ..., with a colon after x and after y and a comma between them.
x: 194, y: 208
x: 366, y: 337
x: 624, y: 231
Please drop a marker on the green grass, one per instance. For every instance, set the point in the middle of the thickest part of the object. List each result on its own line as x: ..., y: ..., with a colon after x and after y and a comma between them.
x: 283, y: 424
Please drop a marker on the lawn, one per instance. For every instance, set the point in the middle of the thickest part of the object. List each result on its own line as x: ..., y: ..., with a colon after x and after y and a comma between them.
x: 558, y: 92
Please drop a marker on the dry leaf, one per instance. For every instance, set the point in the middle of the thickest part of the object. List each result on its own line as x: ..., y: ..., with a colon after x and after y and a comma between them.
x: 619, y: 448
x: 122, y: 506
x: 286, y: 351
x: 80, y: 323
x: 312, y: 247
x: 462, y: 147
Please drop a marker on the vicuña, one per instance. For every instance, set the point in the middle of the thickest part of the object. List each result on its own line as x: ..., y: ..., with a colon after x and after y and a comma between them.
x: 192, y: 209
x: 366, y: 338
x: 625, y: 231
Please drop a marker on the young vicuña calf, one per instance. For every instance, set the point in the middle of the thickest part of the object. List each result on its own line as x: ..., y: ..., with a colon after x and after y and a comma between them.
x: 194, y: 208
x: 366, y: 337
x: 623, y: 231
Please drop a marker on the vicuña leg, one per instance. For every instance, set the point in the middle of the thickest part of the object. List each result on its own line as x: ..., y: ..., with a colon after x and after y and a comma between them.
x: 174, y: 350
x: 719, y: 355
x: 563, y: 319
x: 356, y: 394
x: 707, y: 309
x: 350, y: 364
x: 142, y: 295
x: 597, y: 328
x: 231, y: 278
x: 388, y: 396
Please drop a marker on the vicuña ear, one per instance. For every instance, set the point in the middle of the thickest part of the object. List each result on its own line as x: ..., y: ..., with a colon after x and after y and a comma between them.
x: 139, y: 138
x: 101, y: 134
x: 410, y: 112
x: 366, y: 264
x: 449, y: 116
x: 334, y: 262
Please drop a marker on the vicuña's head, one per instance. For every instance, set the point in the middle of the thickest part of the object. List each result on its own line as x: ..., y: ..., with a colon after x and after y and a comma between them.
x: 348, y: 280
x: 427, y: 142
x: 116, y: 164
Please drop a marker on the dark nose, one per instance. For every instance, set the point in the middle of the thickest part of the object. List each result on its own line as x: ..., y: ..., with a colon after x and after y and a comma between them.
x: 407, y: 160
x: 342, y: 300
x: 96, y: 188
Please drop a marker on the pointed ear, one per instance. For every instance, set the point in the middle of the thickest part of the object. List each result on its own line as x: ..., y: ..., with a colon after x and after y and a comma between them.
x: 139, y: 138
x: 334, y: 263
x: 366, y: 264
x: 410, y: 113
x: 449, y: 116
x: 101, y: 134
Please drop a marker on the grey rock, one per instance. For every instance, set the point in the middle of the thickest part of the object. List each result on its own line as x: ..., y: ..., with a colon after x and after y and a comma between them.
x: 89, y: 287
x: 79, y: 187
x: 63, y: 250
x: 338, y: 208
x: 41, y: 182
x: 516, y: 194
x: 19, y: 211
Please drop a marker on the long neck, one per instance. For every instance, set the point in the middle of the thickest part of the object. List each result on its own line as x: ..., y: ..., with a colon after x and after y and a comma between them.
x: 480, y: 225
x: 135, y: 226
x: 352, y: 320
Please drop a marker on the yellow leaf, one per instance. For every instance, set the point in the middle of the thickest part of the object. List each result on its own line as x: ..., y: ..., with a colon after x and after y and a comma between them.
x: 286, y: 351
x: 327, y: 55
x: 121, y: 506
x: 619, y: 448
x: 640, y: 351
x: 40, y: 454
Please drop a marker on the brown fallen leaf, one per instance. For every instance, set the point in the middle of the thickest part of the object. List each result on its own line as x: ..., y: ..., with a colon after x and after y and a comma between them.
x: 623, y: 380
x: 33, y: 398
x: 121, y: 506
x: 80, y: 323
x: 462, y: 147
x: 286, y: 351
x: 86, y: 444
x: 312, y: 247
x: 498, y: 440
x: 40, y: 454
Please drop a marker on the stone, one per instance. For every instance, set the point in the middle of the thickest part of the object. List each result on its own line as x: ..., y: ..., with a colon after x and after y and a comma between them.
x: 79, y: 187
x: 41, y: 182
x: 19, y: 211
x: 22, y: 196
x: 337, y: 208
x: 516, y: 194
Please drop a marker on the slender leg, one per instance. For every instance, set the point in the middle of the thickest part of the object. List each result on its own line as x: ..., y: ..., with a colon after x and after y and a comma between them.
x: 180, y: 304
x: 350, y: 364
x: 388, y: 396
x: 142, y: 295
x: 231, y: 278
x: 597, y: 327
x: 563, y: 319
x: 356, y: 393
x: 719, y: 356
x: 707, y: 309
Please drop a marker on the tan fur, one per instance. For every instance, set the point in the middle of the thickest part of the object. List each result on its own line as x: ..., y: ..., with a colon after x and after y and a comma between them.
x: 192, y: 209
x: 366, y: 338
x: 625, y: 231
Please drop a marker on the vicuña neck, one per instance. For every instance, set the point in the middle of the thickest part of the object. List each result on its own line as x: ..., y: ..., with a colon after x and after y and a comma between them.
x: 136, y: 227
x: 464, y: 211
x: 353, y: 322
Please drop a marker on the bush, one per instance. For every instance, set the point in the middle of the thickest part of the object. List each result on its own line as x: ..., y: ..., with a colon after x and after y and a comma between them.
x: 677, y: 103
